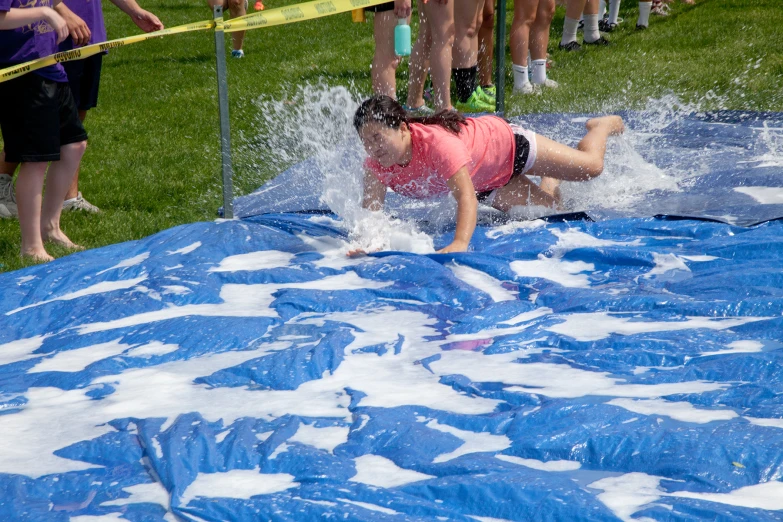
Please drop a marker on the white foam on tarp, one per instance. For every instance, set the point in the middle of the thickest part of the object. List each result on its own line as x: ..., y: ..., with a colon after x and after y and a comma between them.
x: 371, y: 507
x: 375, y: 470
x: 600, y: 325
x: 744, y: 346
x: 80, y: 358
x: 152, y: 349
x: 109, y: 517
x: 281, y: 448
x: 186, y: 249
x: 261, y: 260
x: 513, y: 227
x: 99, y: 288
x: 551, y: 465
x: 681, y: 411
x: 763, y: 195
x: 483, y: 281
x: 149, y: 493
x: 175, y: 289
x: 473, y: 442
x: 571, y: 239
x: 553, y: 380
x: 699, y: 258
x: 133, y: 261
x: 527, y: 316
x: 237, y: 483
x: 626, y: 494
x: 326, y: 438
x: 565, y: 273
x: 488, y: 519
x: 238, y: 301
x: 666, y: 263
x: 768, y: 423
x: 24, y: 279
x: 21, y: 349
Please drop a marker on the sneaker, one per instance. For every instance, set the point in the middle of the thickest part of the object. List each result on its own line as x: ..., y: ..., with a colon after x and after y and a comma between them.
x: 570, y: 46
x: 79, y: 203
x: 603, y: 42
x: 640, y: 27
x: 7, y: 197
x: 474, y: 104
x: 485, y: 96
x: 606, y: 27
x: 490, y: 90
x: 237, y: 53
x: 527, y: 88
x: 659, y: 8
x: 548, y: 83
x: 418, y: 112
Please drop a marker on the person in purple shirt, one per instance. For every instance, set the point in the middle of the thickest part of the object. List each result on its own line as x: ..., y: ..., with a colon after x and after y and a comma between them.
x: 39, y: 122
x: 84, y: 19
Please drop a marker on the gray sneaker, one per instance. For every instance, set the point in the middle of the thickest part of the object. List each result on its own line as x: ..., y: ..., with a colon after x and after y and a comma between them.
x: 7, y: 197
x: 418, y: 112
x: 79, y: 203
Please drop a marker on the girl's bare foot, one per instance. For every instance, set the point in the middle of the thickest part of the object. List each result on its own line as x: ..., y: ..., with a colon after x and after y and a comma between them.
x: 614, y: 124
x: 37, y: 256
x: 58, y: 237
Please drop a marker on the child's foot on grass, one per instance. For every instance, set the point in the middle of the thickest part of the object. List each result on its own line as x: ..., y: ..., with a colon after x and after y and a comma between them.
x: 59, y: 238
x: 36, y: 255
x: 614, y: 124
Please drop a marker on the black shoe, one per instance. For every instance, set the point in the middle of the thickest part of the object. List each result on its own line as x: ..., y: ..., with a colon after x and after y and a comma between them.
x: 601, y: 42
x: 640, y: 27
x: 570, y: 46
x: 605, y: 26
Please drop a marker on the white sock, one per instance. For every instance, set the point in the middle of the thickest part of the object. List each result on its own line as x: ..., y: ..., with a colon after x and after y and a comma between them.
x: 614, y: 11
x: 539, y: 71
x: 569, y: 30
x: 601, y: 7
x: 591, y: 33
x: 520, y: 76
x: 644, y: 13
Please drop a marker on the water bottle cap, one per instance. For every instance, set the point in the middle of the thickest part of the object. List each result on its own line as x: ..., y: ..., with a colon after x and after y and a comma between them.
x: 402, y: 21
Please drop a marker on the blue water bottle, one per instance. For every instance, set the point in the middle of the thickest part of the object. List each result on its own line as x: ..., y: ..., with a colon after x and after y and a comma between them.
x: 402, y: 38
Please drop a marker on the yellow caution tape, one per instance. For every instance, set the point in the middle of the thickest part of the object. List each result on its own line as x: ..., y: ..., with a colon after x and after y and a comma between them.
x: 270, y: 17
x: 81, y: 53
x: 296, y: 13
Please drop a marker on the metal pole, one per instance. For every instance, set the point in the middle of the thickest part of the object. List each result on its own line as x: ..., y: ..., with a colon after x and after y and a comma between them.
x: 225, y: 125
x: 500, y: 58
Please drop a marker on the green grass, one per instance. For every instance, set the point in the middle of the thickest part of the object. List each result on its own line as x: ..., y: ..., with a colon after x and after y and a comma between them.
x: 153, y: 156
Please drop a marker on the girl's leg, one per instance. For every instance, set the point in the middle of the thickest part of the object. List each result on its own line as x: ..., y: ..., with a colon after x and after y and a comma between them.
x: 465, y: 49
x: 384, y: 62
x: 574, y: 10
x: 591, y: 17
x: 29, y: 186
x: 539, y: 40
x: 555, y: 161
x: 419, y: 63
x: 58, y: 180
x: 237, y: 8
x: 486, y: 43
x: 524, y: 17
x: 440, y: 18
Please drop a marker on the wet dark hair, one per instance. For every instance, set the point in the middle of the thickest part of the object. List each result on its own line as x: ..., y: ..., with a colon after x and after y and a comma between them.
x: 386, y: 110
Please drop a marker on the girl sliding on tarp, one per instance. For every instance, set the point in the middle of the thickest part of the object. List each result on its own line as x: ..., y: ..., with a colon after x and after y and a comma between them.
x: 476, y: 159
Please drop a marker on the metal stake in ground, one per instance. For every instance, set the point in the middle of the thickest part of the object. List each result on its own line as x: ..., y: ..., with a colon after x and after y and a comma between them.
x: 500, y: 58
x: 225, y: 124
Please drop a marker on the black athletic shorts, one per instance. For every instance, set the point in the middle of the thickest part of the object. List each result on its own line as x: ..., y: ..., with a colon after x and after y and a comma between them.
x: 380, y: 8
x: 38, y: 117
x: 521, y: 152
x: 84, y: 77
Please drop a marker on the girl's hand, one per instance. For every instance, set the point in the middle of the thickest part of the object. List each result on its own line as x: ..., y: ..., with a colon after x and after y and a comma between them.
x: 455, y: 246
x: 57, y: 22
x: 402, y: 8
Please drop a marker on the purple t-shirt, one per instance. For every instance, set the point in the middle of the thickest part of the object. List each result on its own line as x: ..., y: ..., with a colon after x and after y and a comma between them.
x: 30, y: 42
x: 90, y: 11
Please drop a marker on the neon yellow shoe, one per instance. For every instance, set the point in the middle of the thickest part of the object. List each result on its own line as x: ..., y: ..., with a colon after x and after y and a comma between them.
x: 487, y: 95
x: 475, y: 104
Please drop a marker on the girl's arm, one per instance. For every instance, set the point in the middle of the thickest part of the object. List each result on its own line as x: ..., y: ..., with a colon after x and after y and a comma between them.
x: 462, y: 188
x: 374, y: 192
x: 19, y: 17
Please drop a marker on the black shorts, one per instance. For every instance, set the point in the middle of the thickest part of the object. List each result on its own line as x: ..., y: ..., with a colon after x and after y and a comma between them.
x: 38, y: 117
x: 84, y: 77
x: 521, y: 152
x: 380, y: 8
